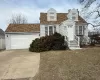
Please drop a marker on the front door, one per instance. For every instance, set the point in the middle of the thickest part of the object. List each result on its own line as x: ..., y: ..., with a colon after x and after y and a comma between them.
x: 70, y: 32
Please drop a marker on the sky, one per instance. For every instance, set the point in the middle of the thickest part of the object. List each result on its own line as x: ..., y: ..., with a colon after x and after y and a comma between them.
x: 31, y: 9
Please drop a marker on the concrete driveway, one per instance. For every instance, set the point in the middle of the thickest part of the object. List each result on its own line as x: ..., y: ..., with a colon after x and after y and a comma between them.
x: 16, y: 64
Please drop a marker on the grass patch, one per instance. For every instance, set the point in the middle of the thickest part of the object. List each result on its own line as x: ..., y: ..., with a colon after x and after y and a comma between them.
x: 70, y: 65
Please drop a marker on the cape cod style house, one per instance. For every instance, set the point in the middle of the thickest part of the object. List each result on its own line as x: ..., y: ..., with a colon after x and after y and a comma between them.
x: 72, y: 26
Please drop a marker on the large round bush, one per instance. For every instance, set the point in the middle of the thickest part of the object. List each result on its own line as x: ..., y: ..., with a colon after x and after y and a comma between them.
x: 52, y: 42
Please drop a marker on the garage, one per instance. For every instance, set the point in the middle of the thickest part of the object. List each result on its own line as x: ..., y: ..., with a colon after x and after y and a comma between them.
x: 20, y: 41
x: 20, y: 36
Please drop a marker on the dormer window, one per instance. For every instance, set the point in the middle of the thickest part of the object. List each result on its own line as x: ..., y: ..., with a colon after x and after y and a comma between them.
x: 51, y: 15
x: 73, y: 14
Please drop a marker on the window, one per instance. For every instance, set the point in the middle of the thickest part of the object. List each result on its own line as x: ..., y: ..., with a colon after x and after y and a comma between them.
x: 70, y: 26
x: 73, y: 17
x: 76, y: 30
x: 51, y: 17
x: 50, y: 30
x: 54, y: 29
x: 73, y: 13
x: 80, y: 30
x: 83, y: 29
x: 64, y: 27
x: 51, y: 13
x: 46, y: 31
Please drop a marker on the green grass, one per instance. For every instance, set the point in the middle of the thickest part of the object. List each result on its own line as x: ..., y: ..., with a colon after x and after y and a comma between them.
x: 70, y: 65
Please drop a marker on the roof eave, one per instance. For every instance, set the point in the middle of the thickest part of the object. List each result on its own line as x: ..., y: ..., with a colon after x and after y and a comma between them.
x: 21, y: 32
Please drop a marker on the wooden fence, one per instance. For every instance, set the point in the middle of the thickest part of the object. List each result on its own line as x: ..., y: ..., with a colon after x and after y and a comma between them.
x: 2, y: 43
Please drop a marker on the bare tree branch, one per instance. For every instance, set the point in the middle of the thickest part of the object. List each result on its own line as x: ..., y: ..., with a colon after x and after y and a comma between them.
x: 91, y: 12
x: 94, y: 25
x: 18, y: 19
x: 97, y: 12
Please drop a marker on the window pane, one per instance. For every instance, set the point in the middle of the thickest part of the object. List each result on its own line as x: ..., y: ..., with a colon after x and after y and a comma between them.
x: 46, y: 31
x: 51, y: 13
x: 83, y: 30
x: 76, y: 30
x: 73, y: 17
x: 54, y: 29
x: 50, y: 30
x: 64, y: 27
x: 51, y: 17
x: 80, y: 30
x: 73, y: 13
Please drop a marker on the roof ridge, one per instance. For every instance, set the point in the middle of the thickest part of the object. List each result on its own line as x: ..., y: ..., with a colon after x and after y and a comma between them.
x: 24, y: 24
x: 57, y: 13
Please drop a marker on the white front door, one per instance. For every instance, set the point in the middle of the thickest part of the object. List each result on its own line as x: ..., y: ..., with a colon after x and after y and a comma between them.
x: 70, y: 32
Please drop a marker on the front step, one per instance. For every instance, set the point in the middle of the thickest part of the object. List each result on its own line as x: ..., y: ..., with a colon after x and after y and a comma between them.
x: 73, y: 44
x: 74, y: 47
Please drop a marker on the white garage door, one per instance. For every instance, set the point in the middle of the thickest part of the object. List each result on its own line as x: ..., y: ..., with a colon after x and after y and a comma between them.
x: 22, y: 41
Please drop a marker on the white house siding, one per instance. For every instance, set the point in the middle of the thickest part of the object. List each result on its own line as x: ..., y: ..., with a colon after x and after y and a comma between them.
x: 20, y: 41
x: 2, y: 43
x: 57, y: 28
x: 42, y: 30
x: 86, y: 31
x: 8, y: 41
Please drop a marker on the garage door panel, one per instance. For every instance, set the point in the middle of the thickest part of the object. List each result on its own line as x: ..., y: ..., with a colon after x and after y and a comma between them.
x: 22, y: 41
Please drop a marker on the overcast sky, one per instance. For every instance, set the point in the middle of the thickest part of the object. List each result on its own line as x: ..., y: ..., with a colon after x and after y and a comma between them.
x: 31, y: 9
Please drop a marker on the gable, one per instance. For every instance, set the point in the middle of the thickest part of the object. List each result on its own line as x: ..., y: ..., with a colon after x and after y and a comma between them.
x: 2, y: 32
x: 60, y: 18
x: 23, y: 28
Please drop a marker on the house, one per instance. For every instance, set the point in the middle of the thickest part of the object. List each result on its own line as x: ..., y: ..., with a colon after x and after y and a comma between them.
x: 72, y: 26
x: 2, y: 39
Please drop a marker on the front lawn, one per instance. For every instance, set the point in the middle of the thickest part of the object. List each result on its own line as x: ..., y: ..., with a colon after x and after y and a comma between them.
x: 81, y: 64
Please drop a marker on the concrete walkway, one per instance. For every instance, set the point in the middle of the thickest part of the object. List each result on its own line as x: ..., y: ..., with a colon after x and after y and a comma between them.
x: 18, y: 64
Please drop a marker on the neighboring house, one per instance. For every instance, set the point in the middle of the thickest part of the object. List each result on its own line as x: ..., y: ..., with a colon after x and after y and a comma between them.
x: 2, y: 39
x: 70, y: 25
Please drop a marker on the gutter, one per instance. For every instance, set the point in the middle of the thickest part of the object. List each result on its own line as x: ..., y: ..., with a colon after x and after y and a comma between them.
x: 22, y: 32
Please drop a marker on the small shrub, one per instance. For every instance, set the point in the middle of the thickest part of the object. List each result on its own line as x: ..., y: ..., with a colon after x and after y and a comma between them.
x: 52, y: 42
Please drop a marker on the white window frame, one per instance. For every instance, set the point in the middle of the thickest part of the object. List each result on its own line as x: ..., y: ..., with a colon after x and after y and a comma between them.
x: 45, y: 30
x: 52, y: 27
x: 82, y: 29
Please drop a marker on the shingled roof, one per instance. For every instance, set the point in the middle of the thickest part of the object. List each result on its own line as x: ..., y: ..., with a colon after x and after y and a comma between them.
x: 23, y: 28
x: 60, y: 18
x: 2, y: 34
x: 43, y: 20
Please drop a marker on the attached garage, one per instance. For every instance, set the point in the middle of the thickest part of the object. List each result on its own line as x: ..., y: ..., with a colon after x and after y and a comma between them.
x: 20, y: 40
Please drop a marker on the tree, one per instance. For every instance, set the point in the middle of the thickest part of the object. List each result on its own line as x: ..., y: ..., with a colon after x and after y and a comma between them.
x: 18, y: 19
x: 91, y: 11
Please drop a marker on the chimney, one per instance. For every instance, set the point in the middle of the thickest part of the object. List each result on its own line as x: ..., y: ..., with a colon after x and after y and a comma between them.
x: 69, y: 10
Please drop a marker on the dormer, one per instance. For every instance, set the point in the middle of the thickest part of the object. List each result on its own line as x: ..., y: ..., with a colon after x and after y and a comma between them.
x: 51, y: 15
x: 73, y: 14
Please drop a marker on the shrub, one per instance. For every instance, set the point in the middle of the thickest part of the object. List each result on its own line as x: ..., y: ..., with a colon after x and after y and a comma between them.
x: 52, y: 42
